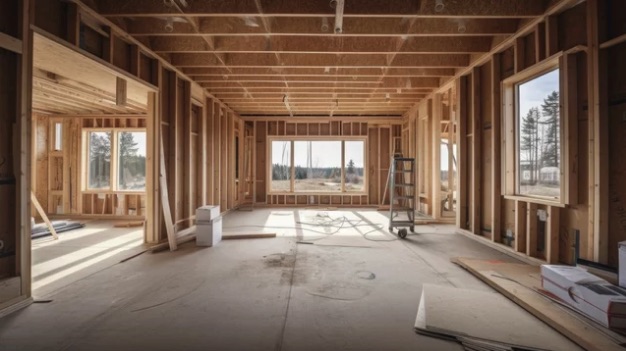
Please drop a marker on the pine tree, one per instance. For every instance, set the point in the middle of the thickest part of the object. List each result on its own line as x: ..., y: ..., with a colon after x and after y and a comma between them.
x: 529, y: 142
x: 350, y: 167
x: 551, y: 108
x: 127, y: 154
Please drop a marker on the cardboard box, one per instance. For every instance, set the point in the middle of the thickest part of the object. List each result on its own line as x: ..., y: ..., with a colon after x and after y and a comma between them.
x: 593, y: 296
x: 621, y: 249
x: 207, y: 213
x: 209, y: 233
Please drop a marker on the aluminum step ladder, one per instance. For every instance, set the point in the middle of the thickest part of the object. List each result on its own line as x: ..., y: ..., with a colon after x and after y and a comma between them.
x: 402, y: 195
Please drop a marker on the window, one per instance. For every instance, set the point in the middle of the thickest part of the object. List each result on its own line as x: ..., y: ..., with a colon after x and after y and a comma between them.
x: 281, y: 166
x: 355, y: 166
x: 538, y: 136
x: 99, y: 160
x: 131, y: 161
x: 317, y: 166
x: 127, y: 149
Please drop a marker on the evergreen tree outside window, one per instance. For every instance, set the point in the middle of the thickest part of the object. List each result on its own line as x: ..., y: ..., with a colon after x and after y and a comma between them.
x: 127, y: 149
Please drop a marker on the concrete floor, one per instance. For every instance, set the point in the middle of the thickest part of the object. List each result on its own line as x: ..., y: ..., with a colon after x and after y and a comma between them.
x: 354, y: 288
x: 80, y: 253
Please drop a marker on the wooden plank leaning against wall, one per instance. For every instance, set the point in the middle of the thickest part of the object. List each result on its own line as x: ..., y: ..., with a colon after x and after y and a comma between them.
x: 591, y: 204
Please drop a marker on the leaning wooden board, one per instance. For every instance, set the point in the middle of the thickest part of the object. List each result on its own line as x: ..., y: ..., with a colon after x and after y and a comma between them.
x: 519, y: 282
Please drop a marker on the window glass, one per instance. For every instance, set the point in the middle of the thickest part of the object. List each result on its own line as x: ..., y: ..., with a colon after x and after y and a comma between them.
x: 131, y: 161
x: 317, y: 166
x: 539, y: 151
x: 355, y: 175
x: 281, y: 166
x: 58, y: 136
x: 99, y: 160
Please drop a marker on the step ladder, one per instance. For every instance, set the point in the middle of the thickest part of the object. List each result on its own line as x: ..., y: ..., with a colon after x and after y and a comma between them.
x: 402, y: 195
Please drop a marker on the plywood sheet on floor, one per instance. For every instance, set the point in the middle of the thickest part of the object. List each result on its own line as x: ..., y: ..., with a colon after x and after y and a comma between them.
x: 520, y: 283
x: 487, y: 316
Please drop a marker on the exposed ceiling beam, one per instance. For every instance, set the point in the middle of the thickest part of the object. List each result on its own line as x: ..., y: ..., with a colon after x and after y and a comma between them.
x: 322, y: 60
x: 319, y: 71
x: 304, y: 44
x: 374, y: 8
x: 311, y: 26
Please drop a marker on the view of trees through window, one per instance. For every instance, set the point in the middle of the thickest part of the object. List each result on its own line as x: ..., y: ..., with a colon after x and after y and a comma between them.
x: 539, y: 171
x: 99, y: 160
x: 317, y: 166
x: 132, y: 161
x: 130, y: 156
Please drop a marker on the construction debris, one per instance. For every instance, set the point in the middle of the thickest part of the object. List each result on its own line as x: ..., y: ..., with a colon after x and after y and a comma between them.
x: 483, y: 321
x: 521, y: 283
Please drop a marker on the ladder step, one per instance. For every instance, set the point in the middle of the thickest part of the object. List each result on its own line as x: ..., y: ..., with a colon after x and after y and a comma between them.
x: 401, y: 209
x: 403, y: 197
x: 404, y: 171
x: 403, y: 159
x: 408, y: 185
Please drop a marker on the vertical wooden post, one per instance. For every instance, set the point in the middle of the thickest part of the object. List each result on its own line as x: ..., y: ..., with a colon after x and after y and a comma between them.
x: 520, y: 226
x: 461, y: 145
x: 153, y: 124
x: 496, y: 156
x: 552, y: 235
x: 552, y: 35
x: 531, y: 230
x: 598, y: 120
x: 569, y: 130
x: 23, y: 247
x: 475, y: 171
x: 73, y: 24
x: 520, y: 55
x: 435, y: 165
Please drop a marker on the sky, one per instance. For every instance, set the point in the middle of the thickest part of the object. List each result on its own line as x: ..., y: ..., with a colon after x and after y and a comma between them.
x: 324, y: 153
x: 533, y: 92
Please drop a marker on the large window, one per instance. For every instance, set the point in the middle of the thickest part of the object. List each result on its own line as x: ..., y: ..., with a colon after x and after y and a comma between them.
x: 121, y: 150
x: 538, y: 136
x: 317, y: 166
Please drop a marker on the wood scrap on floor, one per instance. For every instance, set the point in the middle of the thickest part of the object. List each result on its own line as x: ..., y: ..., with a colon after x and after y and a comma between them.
x: 483, y: 321
x: 522, y: 284
x: 235, y: 236
x: 129, y: 224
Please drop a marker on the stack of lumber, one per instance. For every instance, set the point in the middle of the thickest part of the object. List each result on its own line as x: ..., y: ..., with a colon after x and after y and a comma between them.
x: 521, y: 283
x: 483, y: 321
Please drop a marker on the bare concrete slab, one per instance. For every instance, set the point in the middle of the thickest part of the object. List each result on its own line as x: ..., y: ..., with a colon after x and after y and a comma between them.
x: 259, y: 294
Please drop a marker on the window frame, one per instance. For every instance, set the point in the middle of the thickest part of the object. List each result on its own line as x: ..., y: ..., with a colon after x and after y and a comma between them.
x: 292, y: 140
x: 113, y: 169
x: 566, y: 63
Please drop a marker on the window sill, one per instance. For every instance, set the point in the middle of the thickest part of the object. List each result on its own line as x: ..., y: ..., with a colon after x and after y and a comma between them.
x: 535, y: 200
x: 318, y: 193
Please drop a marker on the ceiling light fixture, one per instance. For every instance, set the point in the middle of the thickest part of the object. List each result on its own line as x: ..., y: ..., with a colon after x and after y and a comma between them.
x: 250, y: 22
x: 169, y: 25
x: 439, y: 6
x: 325, y: 25
x: 461, y: 27
x: 339, y: 16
